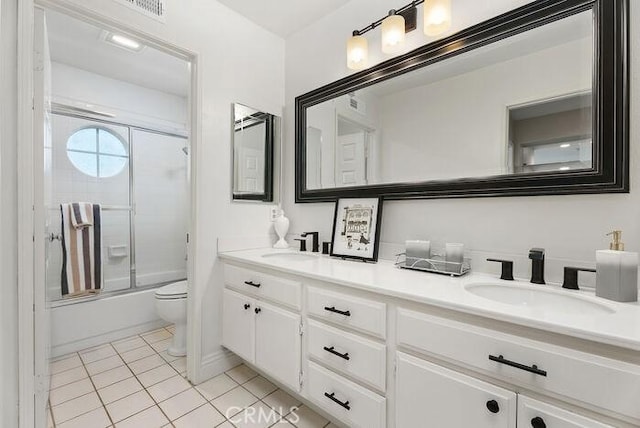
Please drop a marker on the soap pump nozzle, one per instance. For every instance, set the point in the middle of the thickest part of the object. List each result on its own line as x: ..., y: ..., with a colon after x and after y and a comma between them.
x: 616, y: 243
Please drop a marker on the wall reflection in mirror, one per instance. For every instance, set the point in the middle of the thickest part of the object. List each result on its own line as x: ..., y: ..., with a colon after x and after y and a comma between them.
x: 254, y: 136
x: 517, y: 106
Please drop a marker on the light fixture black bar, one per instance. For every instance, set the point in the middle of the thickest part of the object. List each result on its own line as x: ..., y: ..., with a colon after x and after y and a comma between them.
x: 379, y: 21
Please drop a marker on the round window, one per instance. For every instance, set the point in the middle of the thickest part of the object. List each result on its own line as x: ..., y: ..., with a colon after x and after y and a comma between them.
x: 97, y: 152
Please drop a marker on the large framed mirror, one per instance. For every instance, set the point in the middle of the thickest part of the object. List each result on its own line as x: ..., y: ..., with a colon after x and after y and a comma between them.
x: 255, y: 141
x: 532, y: 102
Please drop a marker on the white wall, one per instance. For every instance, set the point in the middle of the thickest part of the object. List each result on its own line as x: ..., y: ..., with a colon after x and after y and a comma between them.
x: 238, y: 62
x: 8, y: 217
x: 571, y: 228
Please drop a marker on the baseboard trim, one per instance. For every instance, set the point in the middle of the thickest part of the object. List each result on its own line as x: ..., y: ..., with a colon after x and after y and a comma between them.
x: 215, y: 364
x: 79, y: 345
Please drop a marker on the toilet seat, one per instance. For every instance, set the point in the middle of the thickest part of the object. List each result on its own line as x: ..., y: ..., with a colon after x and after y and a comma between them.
x: 174, y: 291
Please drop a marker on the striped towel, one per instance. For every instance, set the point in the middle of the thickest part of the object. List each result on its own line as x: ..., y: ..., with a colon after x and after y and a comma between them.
x: 81, y: 215
x: 81, y: 249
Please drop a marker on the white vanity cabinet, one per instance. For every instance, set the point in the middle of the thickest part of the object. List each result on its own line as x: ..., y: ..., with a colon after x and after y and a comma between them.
x: 536, y: 414
x: 264, y: 335
x: 431, y: 396
x: 373, y: 360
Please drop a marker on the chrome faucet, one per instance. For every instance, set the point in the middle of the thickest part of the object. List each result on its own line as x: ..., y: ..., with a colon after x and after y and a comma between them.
x: 315, y: 245
x: 537, y: 265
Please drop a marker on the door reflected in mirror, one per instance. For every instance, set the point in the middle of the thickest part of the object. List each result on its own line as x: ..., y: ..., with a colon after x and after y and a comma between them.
x: 254, y: 136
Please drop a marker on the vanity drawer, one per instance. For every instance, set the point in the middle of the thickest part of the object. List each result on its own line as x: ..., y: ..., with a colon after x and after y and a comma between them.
x: 268, y: 287
x: 352, y: 404
x: 347, y: 311
x: 363, y: 359
x: 563, y: 371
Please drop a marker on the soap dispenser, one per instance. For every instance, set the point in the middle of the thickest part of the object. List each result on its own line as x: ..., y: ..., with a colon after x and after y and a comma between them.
x: 617, y: 271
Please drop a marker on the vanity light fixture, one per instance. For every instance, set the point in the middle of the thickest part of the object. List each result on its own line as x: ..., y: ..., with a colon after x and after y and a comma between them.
x: 437, y: 20
x: 393, y: 33
x: 565, y: 145
x: 437, y: 17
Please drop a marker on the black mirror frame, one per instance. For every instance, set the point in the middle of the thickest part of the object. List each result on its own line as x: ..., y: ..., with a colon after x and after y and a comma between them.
x: 611, y: 115
x: 267, y: 195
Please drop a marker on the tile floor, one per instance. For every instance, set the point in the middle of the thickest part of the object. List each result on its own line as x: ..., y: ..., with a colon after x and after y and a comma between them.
x: 135, y: 383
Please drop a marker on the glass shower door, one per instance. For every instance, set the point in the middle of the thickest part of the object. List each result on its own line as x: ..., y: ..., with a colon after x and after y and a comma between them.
x: 91, y: 164
x: 161, y: 194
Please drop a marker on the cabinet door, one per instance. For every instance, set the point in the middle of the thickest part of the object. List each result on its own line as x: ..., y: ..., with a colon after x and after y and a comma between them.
x: 238, y: 324
x: 278, y: 343
x: 432, y: 396
x: 536, y: 414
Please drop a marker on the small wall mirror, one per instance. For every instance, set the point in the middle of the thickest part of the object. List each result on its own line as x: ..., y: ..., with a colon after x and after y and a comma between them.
x: 255, y: 137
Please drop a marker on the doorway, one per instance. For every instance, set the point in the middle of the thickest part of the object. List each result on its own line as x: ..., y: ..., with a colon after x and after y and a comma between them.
x: 96, y: 141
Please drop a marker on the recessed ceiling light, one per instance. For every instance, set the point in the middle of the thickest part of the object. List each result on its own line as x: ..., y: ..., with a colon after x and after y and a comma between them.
x: 122, y: 41
x: 565, y: 145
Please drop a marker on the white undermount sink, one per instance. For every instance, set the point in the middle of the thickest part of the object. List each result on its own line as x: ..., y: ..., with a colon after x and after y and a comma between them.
x: 290, y: 256
x: 539, y: 297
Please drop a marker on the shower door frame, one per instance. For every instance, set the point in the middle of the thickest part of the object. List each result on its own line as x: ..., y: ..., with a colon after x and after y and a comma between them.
x: 58, y: 110
x: 30, y: 212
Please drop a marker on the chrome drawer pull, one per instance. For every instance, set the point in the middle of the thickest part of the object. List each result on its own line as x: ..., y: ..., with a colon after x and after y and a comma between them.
x: 336, y: 311
x: 533, y: 369
x: 333, y: 398
x: 332, y: 350
x: 253, y: 284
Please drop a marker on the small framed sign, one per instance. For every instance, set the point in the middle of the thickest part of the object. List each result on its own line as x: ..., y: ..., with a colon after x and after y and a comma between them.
x: 356, y: 228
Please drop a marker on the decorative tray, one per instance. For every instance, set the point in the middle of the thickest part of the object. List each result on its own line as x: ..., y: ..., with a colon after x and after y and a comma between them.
x: 436, y: 264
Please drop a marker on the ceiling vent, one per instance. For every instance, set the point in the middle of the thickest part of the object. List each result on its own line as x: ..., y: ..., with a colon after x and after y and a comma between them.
x: 151, y: 8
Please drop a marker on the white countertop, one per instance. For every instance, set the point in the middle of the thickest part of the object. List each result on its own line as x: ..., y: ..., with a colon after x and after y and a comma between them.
x: 621, y: 328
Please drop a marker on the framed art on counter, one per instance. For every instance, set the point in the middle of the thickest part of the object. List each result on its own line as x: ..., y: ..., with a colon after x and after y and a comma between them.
x: 356, y: 228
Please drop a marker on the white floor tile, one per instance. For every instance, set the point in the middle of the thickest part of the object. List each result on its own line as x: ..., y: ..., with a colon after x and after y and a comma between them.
x: 111, y: 376
x: 70, y: 391
x: 283, y: 424
x: 260, y: 387
x: 241, y: 373
x: 157, y: 335
x: 104, y: 365
x: 304, y: 417
x: 156, y: 375
x: 146, y: 364
x: 49, y: 419
x: 182, y: 403
x: 258, y: 415
x: 67, y: 377
x: 282, y: 402
x: 168, y: 358
x: 203, y: 417
x: 225, y: 425
x: 137, y: 354
x: 180, y: 365
x: 234, y: 401
x: 119, y: 390
x: 71, y: 362
x: 98, y: 353
x: 129, y: 344
x: 129, y: 406
x: 76, y: 407
x: 162, y: 345
x: 150, y: 418
x: 168, y: 388
x: 216, y: 386
x: 94, y: 419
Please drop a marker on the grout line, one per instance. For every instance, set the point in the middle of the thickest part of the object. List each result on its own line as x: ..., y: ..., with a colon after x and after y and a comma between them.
x: 96, y: 390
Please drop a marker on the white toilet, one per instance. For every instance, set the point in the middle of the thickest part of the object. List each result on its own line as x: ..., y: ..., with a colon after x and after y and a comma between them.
x: 171, y: 305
